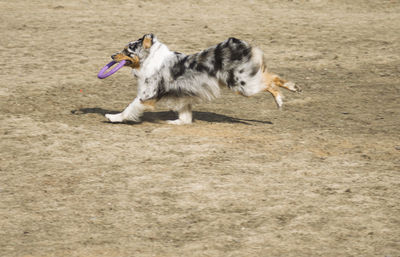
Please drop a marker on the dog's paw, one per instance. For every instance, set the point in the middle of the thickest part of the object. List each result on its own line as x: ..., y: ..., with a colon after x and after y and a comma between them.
x: 115, y: 117
x: 279, y: 101
x: 292, y: 87
x: 177, y: 122
x: 298, y: 88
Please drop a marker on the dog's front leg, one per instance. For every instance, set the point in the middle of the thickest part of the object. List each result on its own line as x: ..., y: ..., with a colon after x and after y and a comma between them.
x: 185, y: 116
x: 133, y: 112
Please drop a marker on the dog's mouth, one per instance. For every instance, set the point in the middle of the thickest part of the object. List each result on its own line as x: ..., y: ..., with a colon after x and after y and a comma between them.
x: 128, y: 63
x: 132, y: 62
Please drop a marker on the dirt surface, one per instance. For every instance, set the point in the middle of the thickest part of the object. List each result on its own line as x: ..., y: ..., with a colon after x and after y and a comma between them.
x: 320, y: 178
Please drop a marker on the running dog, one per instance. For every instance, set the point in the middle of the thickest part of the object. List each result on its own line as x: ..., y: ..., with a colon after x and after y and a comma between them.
x: 181, y: 80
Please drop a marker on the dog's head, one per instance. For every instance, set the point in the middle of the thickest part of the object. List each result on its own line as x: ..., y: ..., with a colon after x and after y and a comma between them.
x: 135, y: 51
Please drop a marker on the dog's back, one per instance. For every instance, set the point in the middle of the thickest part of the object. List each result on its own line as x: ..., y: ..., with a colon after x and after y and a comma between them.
x: 233, y: 63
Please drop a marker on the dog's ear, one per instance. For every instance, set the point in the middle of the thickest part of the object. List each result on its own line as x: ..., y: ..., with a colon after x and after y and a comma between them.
x: 147, y: 41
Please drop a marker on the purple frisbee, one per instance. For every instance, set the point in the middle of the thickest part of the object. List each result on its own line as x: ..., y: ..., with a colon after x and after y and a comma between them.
x: 103, y: 75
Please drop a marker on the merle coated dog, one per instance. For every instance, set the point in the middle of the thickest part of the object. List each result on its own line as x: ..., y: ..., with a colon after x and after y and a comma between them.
x: 181, y: 80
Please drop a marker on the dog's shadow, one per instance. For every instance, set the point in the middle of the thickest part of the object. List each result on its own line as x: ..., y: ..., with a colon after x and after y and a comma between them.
x: 157, y: 117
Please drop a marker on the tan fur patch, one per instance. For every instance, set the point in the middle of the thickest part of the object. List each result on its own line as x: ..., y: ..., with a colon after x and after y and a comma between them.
x: 134, y: 61
x: 279, y: 82
x: 149, y: 103
x: 268, y: 78
x: 273, y: 80
x: 274, y: 91
x: 272, y: 87
x: 147, y: 42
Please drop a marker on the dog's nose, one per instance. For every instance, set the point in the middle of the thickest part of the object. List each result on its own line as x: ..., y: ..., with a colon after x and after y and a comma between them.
x: 113, y: 56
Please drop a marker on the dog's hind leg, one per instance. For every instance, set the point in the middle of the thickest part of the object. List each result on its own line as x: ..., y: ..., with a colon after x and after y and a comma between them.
x: 273, y: 88
x: 271, y: 78
x: 273, y: 82
x: 185, y: 116
x: 276, y: 93
x: 133, y: 112
x: 289, y: 85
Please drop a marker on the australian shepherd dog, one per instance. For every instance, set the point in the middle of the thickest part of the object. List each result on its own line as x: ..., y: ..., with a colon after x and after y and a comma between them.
x: 181, y: 80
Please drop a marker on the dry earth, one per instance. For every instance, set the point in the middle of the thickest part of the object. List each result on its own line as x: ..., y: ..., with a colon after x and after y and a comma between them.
x: 320, y: 178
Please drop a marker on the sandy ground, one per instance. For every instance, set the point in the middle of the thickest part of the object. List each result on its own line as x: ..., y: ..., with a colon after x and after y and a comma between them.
x: 320, y: 178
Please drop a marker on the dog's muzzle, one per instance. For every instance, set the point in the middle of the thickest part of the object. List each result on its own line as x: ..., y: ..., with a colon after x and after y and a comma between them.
x: 130, y: 61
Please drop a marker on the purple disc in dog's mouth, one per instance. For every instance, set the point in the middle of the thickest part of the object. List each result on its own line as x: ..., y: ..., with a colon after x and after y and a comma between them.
x: 103, y: 75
